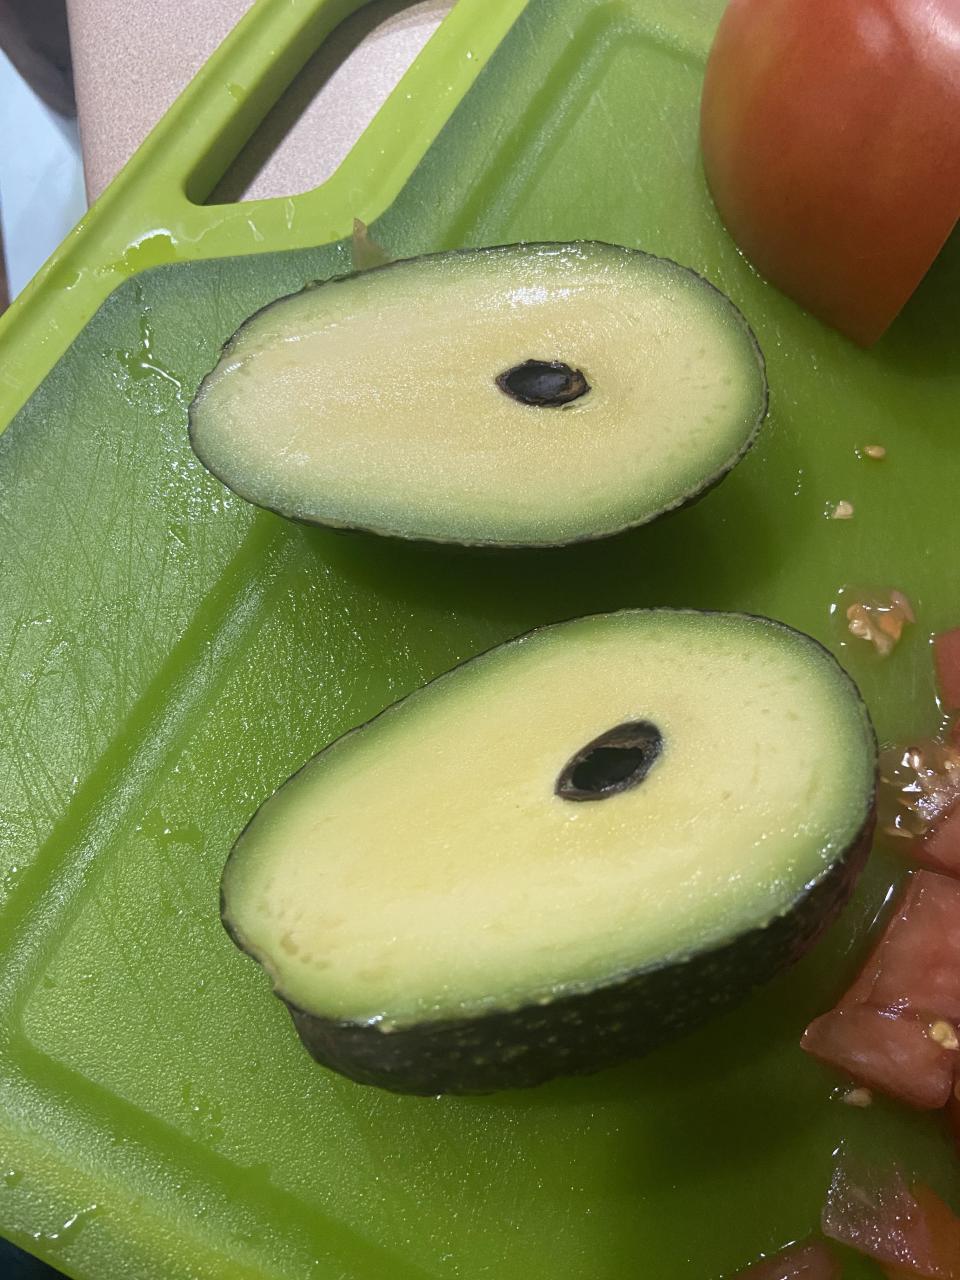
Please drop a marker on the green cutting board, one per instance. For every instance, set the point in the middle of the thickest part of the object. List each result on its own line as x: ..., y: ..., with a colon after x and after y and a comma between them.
x: 171, y: 654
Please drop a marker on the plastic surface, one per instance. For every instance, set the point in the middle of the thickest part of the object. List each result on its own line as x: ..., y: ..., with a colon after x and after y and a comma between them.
x: 171, y: 655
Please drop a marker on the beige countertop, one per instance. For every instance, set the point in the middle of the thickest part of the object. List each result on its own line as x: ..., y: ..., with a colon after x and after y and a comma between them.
x: 131, y: 61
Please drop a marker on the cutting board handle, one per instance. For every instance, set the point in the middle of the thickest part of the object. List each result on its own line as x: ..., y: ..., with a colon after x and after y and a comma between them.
x: 239, y: 84
x: 196, y: 141
x: 153, y: 211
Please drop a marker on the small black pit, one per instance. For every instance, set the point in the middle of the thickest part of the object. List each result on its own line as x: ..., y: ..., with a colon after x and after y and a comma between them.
x: 546, y: 383
x: 616, y: 761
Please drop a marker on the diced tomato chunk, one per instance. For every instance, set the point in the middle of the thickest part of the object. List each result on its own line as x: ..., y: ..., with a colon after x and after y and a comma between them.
x: 946, y: 657
x: 896, y: 1028
x: 916, y: 964
x: 939, y: 848
x: 891, y: 1052
x: 811, y: 1260
x: 910, y: 1233
x: 938, y: 1249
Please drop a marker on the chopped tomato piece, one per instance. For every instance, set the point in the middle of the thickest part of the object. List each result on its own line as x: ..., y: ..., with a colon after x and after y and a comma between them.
x: 909, y: 1232
x: 896, y: 1028
x: 939, y: 848
x: 891, y: 1052
x: 939, y: 1258
x: 916, y: 964
x: 946, y: 657
x: 811, y: 1260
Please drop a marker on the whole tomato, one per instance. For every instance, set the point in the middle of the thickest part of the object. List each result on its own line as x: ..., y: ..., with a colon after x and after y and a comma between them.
x: 831, y: 143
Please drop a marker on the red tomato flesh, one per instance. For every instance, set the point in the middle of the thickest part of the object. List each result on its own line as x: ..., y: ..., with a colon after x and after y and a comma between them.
x: 895, y: 1028
x: 831, y: 142
x: 910, y: 1233
x: 811, y: 1260
x: 946, y: 658
x: 916, y: 964
x: 891, y: 1053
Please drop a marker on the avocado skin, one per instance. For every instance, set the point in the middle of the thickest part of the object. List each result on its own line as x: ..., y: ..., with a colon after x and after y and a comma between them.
x: 678, y: 504
x: 583, y: 1033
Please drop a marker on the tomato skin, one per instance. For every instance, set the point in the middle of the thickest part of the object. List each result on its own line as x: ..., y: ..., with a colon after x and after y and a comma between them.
x: 882, y: 1030
x: 946, y: 658
x: 831, y: 145
x: 811, y: 1260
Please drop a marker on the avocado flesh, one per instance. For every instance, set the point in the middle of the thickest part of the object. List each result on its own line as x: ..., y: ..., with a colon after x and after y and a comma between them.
x: 373, y: 401
x: 433, y: 911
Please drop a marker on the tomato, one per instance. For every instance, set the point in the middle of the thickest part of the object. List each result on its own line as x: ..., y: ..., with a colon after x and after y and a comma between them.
x: 938, y: 1249
x: 939, y: 848
x: 909, y: 1232
x: 895, y: 1030
x: 889, y: 1052
x: 811, y: 1260
x: 831, y: 142
x: 916, y: 963
x: 946, y: 657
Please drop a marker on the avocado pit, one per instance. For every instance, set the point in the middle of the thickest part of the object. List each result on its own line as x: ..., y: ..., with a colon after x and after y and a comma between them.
x: 615, y: 761
x: 548, y: 384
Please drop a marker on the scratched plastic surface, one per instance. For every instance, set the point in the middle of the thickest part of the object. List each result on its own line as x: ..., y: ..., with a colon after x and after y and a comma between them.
x: 170, y: 655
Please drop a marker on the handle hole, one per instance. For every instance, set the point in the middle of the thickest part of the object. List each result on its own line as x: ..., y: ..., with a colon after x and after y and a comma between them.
x: 326, y: 108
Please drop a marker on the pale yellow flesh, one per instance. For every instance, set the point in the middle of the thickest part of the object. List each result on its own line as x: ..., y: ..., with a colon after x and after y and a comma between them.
x: 423, y: 867
x: 373, y: 402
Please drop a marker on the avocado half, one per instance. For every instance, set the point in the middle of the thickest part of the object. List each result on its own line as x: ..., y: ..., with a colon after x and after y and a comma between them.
x: 525, y: 395
x: 561, y: 853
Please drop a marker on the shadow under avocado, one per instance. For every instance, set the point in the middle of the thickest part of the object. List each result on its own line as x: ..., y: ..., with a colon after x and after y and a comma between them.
x: 714, y: 554
x: 709, y: 1092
